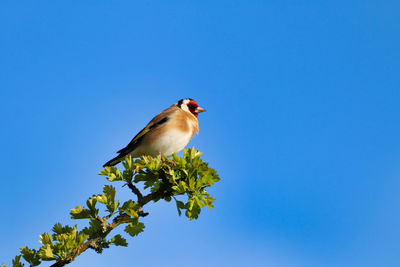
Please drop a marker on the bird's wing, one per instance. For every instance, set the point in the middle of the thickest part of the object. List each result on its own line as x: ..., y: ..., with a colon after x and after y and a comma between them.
x: 156, y: 122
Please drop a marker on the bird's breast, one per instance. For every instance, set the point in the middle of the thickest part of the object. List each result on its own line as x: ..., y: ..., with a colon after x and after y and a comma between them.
x: 167, y: 143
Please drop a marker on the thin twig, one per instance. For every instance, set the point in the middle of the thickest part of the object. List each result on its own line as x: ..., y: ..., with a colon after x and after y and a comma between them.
x: 136, y: 191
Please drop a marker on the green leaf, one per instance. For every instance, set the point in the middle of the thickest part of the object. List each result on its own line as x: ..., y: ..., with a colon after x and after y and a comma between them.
x: 58, y: 229
x: 179, y: 205
x: 79, y: 213
x: 16, y: 262
x: 102, y: 199
x: 66, y: 242
x: 176, y: 158
x: 80, y: 238
x: 193, y: 208
x: 128, y: 162
x: 112, y: 207
x: 30, y: 255
x: 46, y: 253
x: 112, y: 173
x: 209, y: 201
x: 45, y: 239
x: 91, y: 204
x: 134, y: 228
x: 93, y: 229
x: 130, y: 208
x: 118, y: 240
x: 109, y: 191
x: 111, y: 204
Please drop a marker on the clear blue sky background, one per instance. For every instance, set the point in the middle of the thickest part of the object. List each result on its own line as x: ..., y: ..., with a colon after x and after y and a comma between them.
x: 302, y: 124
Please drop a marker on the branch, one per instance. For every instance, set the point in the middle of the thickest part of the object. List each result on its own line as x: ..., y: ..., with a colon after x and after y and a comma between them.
x: 91, y: 242
x: 163, y: 191
x: 188, y: 176
x: 136, y: 191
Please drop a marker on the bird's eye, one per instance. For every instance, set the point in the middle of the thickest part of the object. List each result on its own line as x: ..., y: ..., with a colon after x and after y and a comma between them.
x: 191, y: 106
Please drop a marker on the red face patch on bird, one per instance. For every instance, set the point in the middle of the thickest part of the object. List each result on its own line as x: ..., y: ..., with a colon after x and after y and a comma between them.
x: 192, y: 105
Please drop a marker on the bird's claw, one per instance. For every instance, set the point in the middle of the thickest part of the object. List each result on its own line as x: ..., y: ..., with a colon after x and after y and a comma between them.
x: 167, y: 160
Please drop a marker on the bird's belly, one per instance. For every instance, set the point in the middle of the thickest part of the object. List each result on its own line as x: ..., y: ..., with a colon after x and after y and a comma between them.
x: 167, y: 143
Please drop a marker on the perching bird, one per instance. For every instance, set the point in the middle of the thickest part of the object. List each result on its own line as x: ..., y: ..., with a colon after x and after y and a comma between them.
x: 166, y: 134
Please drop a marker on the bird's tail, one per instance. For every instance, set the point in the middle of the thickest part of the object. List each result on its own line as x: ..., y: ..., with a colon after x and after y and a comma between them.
x: 114, y: 161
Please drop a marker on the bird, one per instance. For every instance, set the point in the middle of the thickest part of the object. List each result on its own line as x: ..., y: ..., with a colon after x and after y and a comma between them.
x: 167, y: 133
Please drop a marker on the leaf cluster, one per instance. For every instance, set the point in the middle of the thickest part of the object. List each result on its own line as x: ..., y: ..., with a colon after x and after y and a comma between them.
x: 168, y: 178
x: 183, y: 179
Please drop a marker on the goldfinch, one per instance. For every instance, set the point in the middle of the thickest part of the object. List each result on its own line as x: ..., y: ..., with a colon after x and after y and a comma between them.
x: 166, y: 134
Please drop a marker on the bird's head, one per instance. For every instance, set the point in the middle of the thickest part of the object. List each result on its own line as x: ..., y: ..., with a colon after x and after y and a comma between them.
x: 189, y: 105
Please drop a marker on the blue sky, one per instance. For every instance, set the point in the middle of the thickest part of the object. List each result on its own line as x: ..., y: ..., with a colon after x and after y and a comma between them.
x: 302, y: 124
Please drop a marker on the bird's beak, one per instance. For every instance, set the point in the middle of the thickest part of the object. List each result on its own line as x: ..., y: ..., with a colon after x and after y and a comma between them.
x: 199, y: 110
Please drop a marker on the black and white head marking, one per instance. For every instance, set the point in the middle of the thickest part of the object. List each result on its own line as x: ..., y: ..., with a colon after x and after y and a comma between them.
x: 183, y: 104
